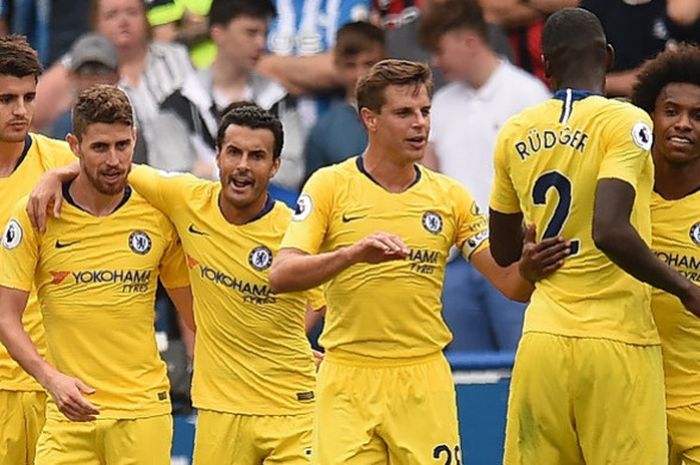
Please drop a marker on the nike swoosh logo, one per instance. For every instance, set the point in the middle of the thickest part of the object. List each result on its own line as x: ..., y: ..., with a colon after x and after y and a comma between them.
x: 347, y: 219
x: 60, y: 245
x: 196, y: 231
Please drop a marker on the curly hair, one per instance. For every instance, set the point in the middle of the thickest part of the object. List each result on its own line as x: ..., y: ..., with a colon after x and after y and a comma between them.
x: 18, y: 58
x: 101, y: 104
x: 679, y: 65
x: 250, y: 115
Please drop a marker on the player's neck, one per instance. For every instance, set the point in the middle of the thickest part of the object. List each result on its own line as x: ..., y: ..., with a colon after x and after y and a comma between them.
x: 10, y: 152
x: 241, y: 216
x: 91, y: 200
x: 580, y: 83
x: 392, y: 173
x: 673, y: 182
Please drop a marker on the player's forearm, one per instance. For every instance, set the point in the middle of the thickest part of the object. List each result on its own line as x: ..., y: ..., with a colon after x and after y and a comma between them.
x: 65, y: 173
x: 294, y: 271
x: 624, y: 247
x: 514, y: 286
x: 21, y: 348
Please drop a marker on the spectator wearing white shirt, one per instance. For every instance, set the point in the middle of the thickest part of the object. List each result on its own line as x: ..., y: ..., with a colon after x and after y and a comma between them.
x: 484, y: 90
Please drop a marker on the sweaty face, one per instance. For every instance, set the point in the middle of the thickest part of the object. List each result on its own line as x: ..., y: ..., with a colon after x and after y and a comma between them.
x: 246, y: 165
x: 123, y: 22
x: 677, y: 123
x: 105, y: 153
x: 401, y: 127
x: 16, y: 107
x: 242, y: 40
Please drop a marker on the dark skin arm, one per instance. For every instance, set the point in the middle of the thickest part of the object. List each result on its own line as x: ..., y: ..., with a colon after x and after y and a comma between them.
x: 505, y: 236
x: 615, y: 236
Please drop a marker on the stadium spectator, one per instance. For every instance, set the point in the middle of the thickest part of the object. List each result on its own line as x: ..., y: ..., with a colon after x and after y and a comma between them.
x: 23, y: 158
x: 385, y: 392
x: 149, y: 72
x: 401, y: 18
x: 94, y: 60
x: 184, y: 21
x: 523, y: 21
x: 484, y: 90
x: 638, y: 30
x: 300, y: 41
x: 238, y: 28
x: 669, y: 90
x: 105, y: 374
x: 253, y: 373
x: 339, y: 133
x: 578, y: 165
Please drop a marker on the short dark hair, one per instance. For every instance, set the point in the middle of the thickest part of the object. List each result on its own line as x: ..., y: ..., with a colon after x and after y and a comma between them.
x: 451, y: 15
x: 574, y: 34
x: 680, y: 65
x: 18, y: 58
x: 370, y: 88
x: 101, y: 104
x: 250, y: 115
x: 356, y: 37
x: 224, y: 11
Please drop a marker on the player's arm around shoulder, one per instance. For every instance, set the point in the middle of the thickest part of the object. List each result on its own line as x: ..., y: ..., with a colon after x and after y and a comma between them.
x: 165, y: 190
x: 174, y: 275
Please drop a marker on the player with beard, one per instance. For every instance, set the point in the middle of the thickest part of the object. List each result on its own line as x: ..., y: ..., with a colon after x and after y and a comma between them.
x: 24, y: 157
x: 254, y: 375
x: 95, y: 270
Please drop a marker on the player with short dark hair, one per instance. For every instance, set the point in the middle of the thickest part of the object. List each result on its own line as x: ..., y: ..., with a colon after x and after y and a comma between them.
x: 254, y: 375
x: 95, y: 270
x: 578, y: 165
x: 23, y: 158
x: 668, y: 88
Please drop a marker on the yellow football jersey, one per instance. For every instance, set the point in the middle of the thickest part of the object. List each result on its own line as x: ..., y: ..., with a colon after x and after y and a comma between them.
x: 391, y: 310
x: 40, y: 155
x: 251, y: 353
x: 675, y: 226
x: 96, y: 280
x: 548, y: 160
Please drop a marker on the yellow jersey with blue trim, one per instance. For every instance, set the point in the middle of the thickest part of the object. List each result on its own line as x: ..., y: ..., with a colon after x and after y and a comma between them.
x: 675, y: 226
x: 388, y: 312
x: 548, y: 161
x: 40, y: 154
x: 252, y: 355
x: 96, y: 280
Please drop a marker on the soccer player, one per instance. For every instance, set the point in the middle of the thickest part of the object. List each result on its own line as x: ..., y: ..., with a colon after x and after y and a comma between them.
x: 377, y: 230
x: 95, y: 271
x: 254, y: 375
x: 23, y: 158
x: 669, y: 89
x: 579, y: 165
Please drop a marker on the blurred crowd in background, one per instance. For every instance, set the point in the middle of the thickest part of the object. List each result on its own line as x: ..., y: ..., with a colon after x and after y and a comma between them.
x: 183, y: 62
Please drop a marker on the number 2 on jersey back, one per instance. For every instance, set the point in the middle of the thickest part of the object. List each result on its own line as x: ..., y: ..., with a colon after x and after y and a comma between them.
x: 562, y: 185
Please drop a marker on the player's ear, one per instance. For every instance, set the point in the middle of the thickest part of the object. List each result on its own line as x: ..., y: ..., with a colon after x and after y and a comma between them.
x: 73, y: 143
x: 611, y: 56
x: 275, y: 166
x: 133, y: 135
x: 369, y: 119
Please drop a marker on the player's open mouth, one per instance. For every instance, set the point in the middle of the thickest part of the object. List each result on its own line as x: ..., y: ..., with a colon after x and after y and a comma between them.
x: 112, y: 176
x: 241, y: 183
x: 680, y: 140
x: 416, y: 142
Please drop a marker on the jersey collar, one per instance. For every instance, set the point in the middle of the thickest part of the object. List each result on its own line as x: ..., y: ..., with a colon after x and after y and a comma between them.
x: 267, y: 208
x: 70, y: 200
x: 361, y: 167
x: 27, y: 145
x: 573, y: 94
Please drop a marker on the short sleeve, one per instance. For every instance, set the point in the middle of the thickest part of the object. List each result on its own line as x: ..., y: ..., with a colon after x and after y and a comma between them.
x: 61, y: 155
x: 504, y: 198
x: 309, y: 224
x: 164, y: 190
x: 19, y: 252
x: 471, y: 228
x: 628, y: 140
x: 173, y: 269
